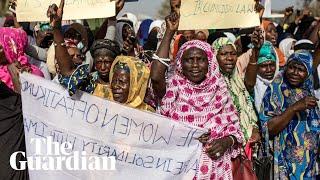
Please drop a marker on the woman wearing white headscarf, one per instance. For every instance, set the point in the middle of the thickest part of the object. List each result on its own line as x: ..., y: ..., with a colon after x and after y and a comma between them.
x: 286, y: 46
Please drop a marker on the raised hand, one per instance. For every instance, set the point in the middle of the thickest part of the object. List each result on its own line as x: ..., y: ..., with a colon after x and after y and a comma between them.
x: 288, y: 11
x: 119, y: 6
x: 257, y: 38
x: 172, y: 21
x: 55, y: 14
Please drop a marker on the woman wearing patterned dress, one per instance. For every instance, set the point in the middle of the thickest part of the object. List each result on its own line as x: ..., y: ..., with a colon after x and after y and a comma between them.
x: 290, y: 119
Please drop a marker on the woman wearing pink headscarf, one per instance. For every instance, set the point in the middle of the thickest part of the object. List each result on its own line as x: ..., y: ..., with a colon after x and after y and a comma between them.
x: 13, y: 43
x: 197, y: 94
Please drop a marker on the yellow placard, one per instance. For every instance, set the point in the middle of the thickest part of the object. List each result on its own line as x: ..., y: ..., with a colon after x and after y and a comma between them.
x: 218, y: 14
x: 36, y: 10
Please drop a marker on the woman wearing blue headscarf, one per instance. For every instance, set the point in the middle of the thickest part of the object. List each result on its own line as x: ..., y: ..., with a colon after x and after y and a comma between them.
x: 143, y: 31
x: 290, y: 118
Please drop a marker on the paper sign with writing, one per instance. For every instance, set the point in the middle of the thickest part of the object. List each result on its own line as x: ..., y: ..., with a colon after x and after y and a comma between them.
x: 145, y: 145
x: 36, y: 10
x: 218, y: 14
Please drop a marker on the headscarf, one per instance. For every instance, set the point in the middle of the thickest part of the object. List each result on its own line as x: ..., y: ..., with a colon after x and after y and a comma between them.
x: 162, y: 28
x: 133, y: 21
x: 304, y: 57
x: 111, y: 46
x: 214, y: 36
x: 119, y: 26
x: 296, y: 146
x: 239, y: 94
x: 280, y: 55
x: 286, y: 45
x: 139, y: 76
x: 266, y: 53
x: 144, y: 31
x: 154, y: 24
x: 207, y: 105
x: 304, y: 44
x: 14, y: 42
x: 223, y: 41
x: 205, y: 31
x: 231, y: 36
x: 262, y: 84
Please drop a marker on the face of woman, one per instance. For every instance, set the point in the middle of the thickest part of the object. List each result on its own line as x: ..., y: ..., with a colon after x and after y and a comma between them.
x: 195, y: 65
x: 296, y: 73
x: 267, y: 70
x: 127, y: 31
x: 227, y: 59
x: 120, y: 85
x: 271, y: 34
x: 76, y: 55
x: 103, y: 61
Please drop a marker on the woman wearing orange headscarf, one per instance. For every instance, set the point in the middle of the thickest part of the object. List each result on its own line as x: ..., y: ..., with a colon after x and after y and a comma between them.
x: 271, y: 35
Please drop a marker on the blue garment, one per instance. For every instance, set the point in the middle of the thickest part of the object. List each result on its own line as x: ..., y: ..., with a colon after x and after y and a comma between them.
x: 295, y: 148
x: 143, y: 32
x: 80, y: 79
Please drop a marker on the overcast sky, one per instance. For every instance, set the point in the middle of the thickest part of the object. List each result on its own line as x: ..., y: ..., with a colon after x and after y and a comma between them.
x: 150, y: 7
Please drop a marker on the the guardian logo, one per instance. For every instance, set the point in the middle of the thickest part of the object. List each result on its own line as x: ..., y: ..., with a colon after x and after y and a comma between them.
x: 60, y: 157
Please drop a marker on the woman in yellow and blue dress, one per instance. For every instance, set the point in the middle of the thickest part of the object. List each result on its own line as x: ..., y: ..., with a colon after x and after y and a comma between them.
x: 290, y: 119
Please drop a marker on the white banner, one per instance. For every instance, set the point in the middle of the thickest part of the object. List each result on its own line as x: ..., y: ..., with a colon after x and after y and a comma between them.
x: 145, y: 145
x: 36, y: 10
x: 218, y: 14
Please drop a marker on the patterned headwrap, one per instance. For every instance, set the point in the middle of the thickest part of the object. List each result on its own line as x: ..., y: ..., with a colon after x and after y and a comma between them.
x: 111, y: 46
x: 122, y: 66
x: 200, y: 45
x: 139, y: 76
x: 219, y: 43
x: 42, y: 26
x: 207, y: 105
x: 304, y: 57
x: 267, y: 53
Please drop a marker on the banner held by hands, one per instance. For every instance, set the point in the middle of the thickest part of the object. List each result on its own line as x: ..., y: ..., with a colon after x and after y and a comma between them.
x: 218, y: 14
x: 36, y: 10
x: 144, y: 144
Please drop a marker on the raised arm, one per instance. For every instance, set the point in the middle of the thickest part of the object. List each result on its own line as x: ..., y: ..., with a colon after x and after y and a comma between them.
x: 158, y: 70
x: 63, y: 58
x: 251, y: 72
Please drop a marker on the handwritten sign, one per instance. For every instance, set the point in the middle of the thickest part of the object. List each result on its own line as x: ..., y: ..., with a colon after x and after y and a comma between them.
x: 36, y: 10
x: 218, y: 14
x: 144, y: 144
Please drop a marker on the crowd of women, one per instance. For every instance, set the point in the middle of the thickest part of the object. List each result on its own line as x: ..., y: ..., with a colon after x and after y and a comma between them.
x: 254, y: 87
